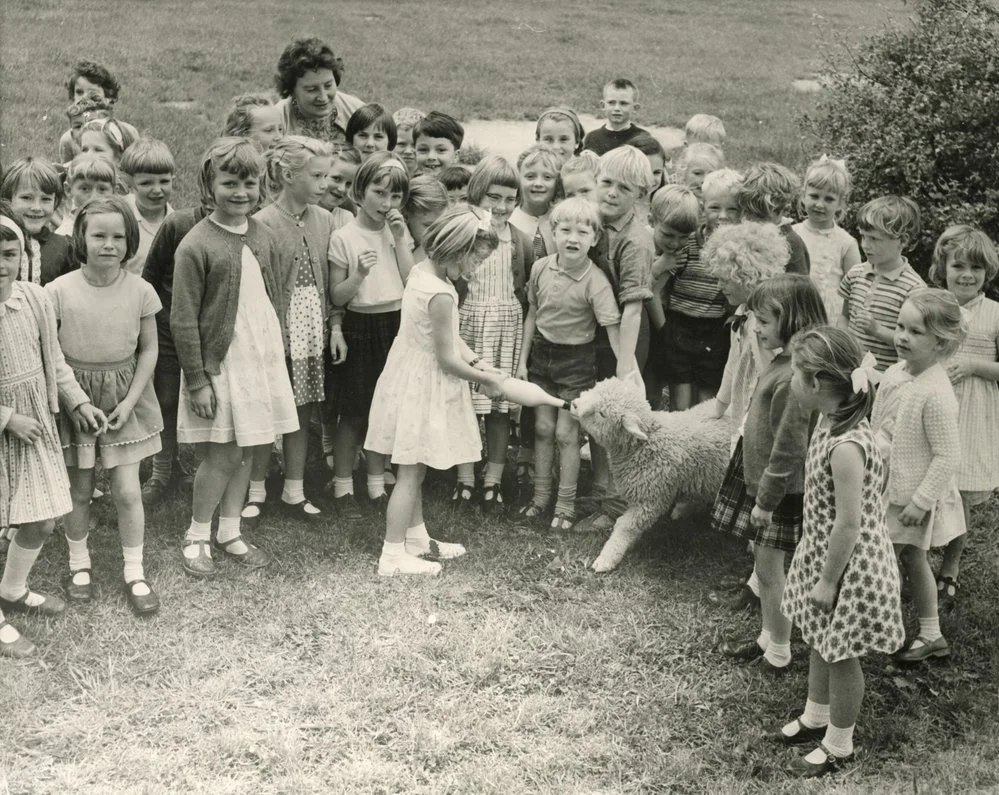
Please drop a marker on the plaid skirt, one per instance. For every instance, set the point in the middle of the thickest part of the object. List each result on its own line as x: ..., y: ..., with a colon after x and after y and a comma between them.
x: 733, y: 507
x: 369, y: 338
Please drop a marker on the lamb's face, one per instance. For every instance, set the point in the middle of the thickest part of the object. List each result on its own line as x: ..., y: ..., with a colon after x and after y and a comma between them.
x: 609, y: 410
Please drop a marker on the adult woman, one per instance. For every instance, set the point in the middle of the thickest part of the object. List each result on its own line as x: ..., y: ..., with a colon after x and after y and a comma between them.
x: 308, y: 73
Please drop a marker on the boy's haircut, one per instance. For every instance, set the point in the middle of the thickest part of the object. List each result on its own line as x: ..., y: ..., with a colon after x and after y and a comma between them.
x: 648, y: 145
x: 118, y: 136
x: 622, y: 84
x: 894, y: 216
x: 93, y: 168
x: 238, y: 121
x: 455, y: 177
x: 456, y: 234
x: 426, y: 195
x: 439, y: 125
x: 626, y: 164
x: 942, y: 316
x: 706, y: 153
x: 380, y: 166
x: 40, y: 174
x: 231, y: 154
x: 96, y: 74
x: 291, y: 153
x: 369, y: 115
x: 746, y: 254
x: 829, y: 175
x: 492, y: 170
x: 114, y: 205
x: 724, y: 180
x: 768, y: 190
x: 540, y: 153
x: 586, y: 162
x: 147, y: 156
x: 562, y: 113
x: 349, y: 154
x: 973, y: 243
x: 677, y: 207
x: 831, y: 355
x: 577, y: 210
x: 704, y: 128
x: 793, y: 299
x: 407, y: 117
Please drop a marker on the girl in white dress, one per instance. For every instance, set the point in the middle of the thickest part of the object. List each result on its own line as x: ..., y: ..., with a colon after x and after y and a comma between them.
x: 421, y: 413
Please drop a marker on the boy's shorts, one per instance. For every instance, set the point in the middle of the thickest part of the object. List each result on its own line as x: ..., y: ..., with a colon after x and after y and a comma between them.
x: 694, y: 349
x: 565, y: 371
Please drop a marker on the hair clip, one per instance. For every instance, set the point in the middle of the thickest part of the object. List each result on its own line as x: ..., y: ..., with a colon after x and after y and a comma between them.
x: 865, y: 375
x: 394, y: 163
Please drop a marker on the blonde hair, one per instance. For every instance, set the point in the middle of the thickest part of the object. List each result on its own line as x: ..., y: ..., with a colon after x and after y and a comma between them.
x: 704, y: 128
x: 746, y: 254
x: 291, y: 153
x: 576, y: 210
x: 767, y: 191
x: 676, y: 206
x: 118, y: 136
x: 586, y: 162
x: 457, y: 234
x: 894, y: 216
x: 239, y: 156
x: 967, y: 240
x: 723, y: 180
x: 426, y: 195
x: 941, y: 315
x: 698, y: 152
x: 627, y: 164
x: 147, y: 156
x: 539, y: 153
x: 239, y: 120
x: 830, y: 175
x: 93, y: 168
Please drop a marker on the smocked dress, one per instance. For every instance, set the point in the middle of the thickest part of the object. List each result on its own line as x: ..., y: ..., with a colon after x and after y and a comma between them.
x: 254, y: 402
x: 34, y: 486
x: 419, y: 413
x: 491, y: 318
x: 978, y: 399
x: 99, y: 329
x: 867, y: 614
x: 306, y: 334
x: 827, y: 248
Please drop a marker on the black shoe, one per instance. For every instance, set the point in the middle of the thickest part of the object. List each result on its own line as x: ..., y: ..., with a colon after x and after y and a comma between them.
x: 804, y: 735
x: 765, y: 667
x: 804, y: 769
x: 379, y: 504
x: 492, y: 499
x: 347, y: 509
x: 743, y: 599
x: 742, y: 650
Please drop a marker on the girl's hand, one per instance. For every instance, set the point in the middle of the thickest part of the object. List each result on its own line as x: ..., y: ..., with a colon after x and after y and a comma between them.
x: 823, y: 596
x: 491, y: 387
x: 338, y: 345
x: 760, y: 519
x: 203, y: 402
x: 396, y: 224
x: 120, y: 415
x: 89, y: 419
x: 958, y: 371
x: 912, y: 515
x: 366, y: 260
x: 27, y: 429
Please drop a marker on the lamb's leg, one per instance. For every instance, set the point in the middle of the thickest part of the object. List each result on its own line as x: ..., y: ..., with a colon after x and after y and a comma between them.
x: 627, y: 530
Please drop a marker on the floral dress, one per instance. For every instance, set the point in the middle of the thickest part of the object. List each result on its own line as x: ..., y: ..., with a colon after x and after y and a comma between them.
x: 867, y: 614
x: 306, y: 334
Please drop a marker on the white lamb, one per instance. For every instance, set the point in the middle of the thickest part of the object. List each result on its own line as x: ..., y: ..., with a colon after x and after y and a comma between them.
x: 656, y: 458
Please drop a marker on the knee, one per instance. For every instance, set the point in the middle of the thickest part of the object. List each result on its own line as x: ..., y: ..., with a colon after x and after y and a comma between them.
x: 567, y: 437
x: 127, y: 496
x: 228, y: 460
x: 544, y: 427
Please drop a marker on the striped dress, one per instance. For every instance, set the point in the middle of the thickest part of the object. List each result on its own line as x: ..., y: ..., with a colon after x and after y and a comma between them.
x: 491, y: 318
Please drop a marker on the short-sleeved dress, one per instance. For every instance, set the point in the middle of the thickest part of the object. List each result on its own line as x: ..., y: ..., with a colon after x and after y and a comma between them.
x: 306, y: 334
x: 867, y: 613
x: 419, y: 413
x: 99, y: 335
x: 978, y: 398
x: 827, y: 249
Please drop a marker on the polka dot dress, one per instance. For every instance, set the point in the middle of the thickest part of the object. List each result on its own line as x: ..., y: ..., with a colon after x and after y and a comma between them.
x: 306, y: 334
x: 867, y: 615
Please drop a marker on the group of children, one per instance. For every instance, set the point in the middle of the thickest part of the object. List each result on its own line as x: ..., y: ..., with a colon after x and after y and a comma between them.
x: 364, y: 288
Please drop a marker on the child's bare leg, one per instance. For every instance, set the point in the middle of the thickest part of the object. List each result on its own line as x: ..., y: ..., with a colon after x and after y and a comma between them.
x: 296, y: 448
x: 545, y: 420
x: 375, y: 465
x: 923, y: 588
x: 257, y: 492
x: 846, y: 692
x: 77, y: 527
x: 816, y: 713
x: 567, y: 436
x: 705, y: 393
x: 776, y: 628
x: 681, y: 396
x: 346, y: 442
x: 401, y: 512
x: 21, y: 556
x: 950, y: 566
x: 497, y: 441
x: 131, y: 530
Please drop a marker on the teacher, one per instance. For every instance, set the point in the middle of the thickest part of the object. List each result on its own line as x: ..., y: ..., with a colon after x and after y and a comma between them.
x: 308, y: 74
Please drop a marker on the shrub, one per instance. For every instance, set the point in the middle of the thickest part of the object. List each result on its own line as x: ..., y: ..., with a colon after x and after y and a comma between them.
x: 918, y: 115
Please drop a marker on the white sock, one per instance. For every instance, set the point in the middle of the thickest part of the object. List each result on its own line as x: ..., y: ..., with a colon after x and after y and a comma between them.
x: 294, y: 491
x: 763, y: 641
x: 754, y: 583
x: 466, y: 474
x: 342, y: 487
x: 133, y: 569
x: 257, y: 492
x: 376, y: 486
x: 390, y: 550
x: 838, y: 742
x: 778, y: 654
x: 815, y: 715
x: 929, y: 628
x: 198, y: 531
x: 493, y: 474
x: 79, y: 554
x: 15, y: 573
x: 228, y: 528
x: 418, y: 533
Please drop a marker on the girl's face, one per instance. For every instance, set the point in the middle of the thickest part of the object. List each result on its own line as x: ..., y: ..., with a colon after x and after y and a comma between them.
x: 582, y: 183
x: 913, y: 342
x: 693, y: 174
x: 804, y: 387
x: 501, y: 201
x: 405, y: 148
x: 560, y: 135
x: 105, y: 240
x: 34, y: 207
x: 537, y: 186
x: 965, y: 279
x: 234, y: 196
x: 10, y: 265
x: 822, y: 206
x: 266, y: 125
x: 83, y: 190
x: 93, y: 141
x: 658, y: 165
x: 371, y: 139
x: 308, y: 186
x: 152, y: 191
x: 379, y: 199
x: 338, y: 184
x: 314, y: 93
x: 82, y: 87
x: 767, y: 333
x: 418, y: 223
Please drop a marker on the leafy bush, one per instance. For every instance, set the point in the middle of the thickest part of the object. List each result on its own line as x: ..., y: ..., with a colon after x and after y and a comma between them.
x: 917, y: 114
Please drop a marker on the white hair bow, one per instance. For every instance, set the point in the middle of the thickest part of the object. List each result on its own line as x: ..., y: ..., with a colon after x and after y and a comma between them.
x: 865, y: 375
x: 827, y: 159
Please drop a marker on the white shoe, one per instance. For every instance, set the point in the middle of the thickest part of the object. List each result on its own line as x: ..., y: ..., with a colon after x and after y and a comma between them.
x: 442, y: 550
x: 406, y: 564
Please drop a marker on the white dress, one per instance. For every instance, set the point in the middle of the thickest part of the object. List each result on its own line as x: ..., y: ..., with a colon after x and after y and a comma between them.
x: 254, y: 402
x: 827, y: 248
x: 419, y: 413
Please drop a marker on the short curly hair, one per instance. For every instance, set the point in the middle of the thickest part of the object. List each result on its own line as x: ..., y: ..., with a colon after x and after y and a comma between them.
x: 96, y: 74
x: 303, y: 55
x: 746, y: 253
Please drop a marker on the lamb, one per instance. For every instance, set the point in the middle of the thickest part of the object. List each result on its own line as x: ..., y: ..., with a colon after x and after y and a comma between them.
x: 656, y: 457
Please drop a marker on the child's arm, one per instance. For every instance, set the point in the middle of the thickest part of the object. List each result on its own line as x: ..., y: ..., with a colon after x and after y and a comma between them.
x: 403, y: 254
x: 530, y: 324
x: 851, y: 256
x: 723, y: 399
x: 188, y: 294
x: 614, y: 337
x: 343, y: 284
x: 657, y: 314
x: 843, y: 321
x: 442, y: 308
x: 787, y: 456
x: 634, y: 264
x: 847, y: 461
x: 940, y: 427
x: 145, y: 364
x: 987, y: 371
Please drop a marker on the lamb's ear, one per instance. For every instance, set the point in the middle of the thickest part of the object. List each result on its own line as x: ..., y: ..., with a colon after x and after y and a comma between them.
x: 630, y: 423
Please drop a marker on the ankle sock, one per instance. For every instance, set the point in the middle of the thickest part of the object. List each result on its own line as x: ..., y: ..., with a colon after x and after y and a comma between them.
x: 228, y: 528
x: 393, y: 550
x: 79, y: 554
x: 293, y: 493
x: 198, y: 531
x: 565, y: 502
x: 15, y: 574
x: 257, y: 492
x: 542, y: 489
x: 929, y: 628
x: 839, y: 742
x: 493, y: 474
x: 132, y: 556
x: 418, y: 533
x: 763, y: 639
x: 162, y: 467
x: 376, y: 486
x: 466, y: 474
x: 753, y: 583
x: 342, y: 487
x: 778, y: 654
x: 815, y: 715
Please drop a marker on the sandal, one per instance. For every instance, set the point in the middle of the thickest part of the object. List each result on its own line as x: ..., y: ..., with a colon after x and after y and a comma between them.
x: 254, y: 557
x: 462, y: 494
x: 531, y: 511
x: 304, y: 510
x: 562, y: 522
x: 201, y: 566
x: 947, y: 588
x: 252, y: 510
x: 141, y: 604
x: 492, y: 498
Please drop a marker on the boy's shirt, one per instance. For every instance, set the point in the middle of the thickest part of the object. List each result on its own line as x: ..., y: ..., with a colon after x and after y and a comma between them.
x: 570, y: 304
x: 624, y: 253
x: 147, y: 231
x: 693, y: 291
x: 866, y: 292
x: 602, y: 140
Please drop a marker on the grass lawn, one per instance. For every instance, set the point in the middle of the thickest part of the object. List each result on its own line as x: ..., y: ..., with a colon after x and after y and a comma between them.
x: 517, y: 671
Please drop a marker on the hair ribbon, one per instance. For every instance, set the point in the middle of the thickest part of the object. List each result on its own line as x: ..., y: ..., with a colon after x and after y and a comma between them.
x: 865, y: 375
x: 7, y: 223
x: 827, y: 159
